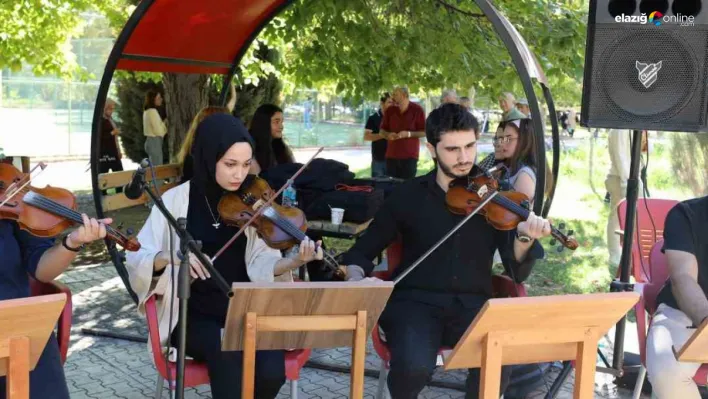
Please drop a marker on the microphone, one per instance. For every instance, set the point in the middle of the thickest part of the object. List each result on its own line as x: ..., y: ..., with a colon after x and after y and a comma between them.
x: 134, y: 189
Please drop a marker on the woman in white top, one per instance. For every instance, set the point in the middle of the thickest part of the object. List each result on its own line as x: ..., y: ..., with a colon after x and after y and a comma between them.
x: 223, y: 152
x: 154, y: 127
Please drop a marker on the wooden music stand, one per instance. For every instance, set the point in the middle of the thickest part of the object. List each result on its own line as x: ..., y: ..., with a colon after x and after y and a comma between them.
x: 539, y: 329
x: 695, y: 350
x: 25, y: 326
x: 303, y: 315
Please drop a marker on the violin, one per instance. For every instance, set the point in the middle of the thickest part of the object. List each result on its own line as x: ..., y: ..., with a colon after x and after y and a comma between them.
x: 281, y: 227
x: 44, y: 212
x: 504, y: 212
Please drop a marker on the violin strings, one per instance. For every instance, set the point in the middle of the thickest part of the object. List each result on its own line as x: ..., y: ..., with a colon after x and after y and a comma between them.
x: 60, y: 210
x: 501, y: 200
x: 521, y: 211
x: 296, y: 233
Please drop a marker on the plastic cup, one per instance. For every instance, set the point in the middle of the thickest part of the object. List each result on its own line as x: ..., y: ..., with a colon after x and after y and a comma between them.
x: 337, y: 215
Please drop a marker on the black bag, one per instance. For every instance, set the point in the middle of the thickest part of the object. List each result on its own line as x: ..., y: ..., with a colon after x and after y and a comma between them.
x: 359, y: 206
x: 322, y: 175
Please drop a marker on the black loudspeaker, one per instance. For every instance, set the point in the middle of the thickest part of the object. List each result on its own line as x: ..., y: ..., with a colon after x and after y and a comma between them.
x: 645, y: 65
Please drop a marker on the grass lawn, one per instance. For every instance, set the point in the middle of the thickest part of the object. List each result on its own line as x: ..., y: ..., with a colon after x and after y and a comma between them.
x: 578, y: 203
x: 323, y: 134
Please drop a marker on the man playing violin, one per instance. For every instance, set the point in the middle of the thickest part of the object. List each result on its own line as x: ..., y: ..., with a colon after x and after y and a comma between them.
x: 23, y: 255
x: 433, y: 305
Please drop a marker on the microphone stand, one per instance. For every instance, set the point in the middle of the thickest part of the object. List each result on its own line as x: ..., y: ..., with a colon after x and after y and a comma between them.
x: 187, y: 245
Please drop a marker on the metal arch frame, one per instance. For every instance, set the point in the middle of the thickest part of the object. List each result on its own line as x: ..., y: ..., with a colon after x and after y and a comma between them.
x: 237, y: 60
x: 106, y: 79
x: 540, y: 208
x: 115, y: 56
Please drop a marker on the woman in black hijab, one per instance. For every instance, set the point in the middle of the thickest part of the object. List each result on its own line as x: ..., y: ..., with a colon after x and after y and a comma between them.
x: 222, y: 152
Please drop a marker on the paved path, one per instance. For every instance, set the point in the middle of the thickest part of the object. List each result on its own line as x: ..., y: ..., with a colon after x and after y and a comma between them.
x: 100, y: 367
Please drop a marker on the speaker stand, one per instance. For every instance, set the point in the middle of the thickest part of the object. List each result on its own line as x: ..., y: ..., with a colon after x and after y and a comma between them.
x: 623, y: 283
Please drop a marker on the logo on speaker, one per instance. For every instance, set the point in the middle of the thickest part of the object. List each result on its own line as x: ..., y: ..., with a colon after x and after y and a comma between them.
x: 647, y: 72
x: 655, y: 18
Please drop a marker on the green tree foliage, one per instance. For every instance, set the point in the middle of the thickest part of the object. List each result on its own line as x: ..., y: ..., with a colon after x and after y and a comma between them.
x: 38, y: 32
x: 367, y: 45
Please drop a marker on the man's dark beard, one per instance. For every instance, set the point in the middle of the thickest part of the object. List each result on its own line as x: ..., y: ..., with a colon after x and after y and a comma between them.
x: 448, y: 171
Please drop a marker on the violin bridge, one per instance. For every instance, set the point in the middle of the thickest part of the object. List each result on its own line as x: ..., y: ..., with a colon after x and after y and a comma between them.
x: 482, y: 191
x: 258, y: 204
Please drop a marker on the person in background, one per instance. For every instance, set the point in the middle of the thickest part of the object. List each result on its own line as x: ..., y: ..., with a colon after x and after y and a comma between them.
x: 572, y: 120
x: 307, y: 113
x: 619, y: 147
x: 184, y: 157
x: 682, y: 302
x: 111, y: 155
x: 448, y: 97
x: 515, y: 148
x: 25, y: 256
x: 403, y: 125
x: 154, y: 128
x: 270, y: 149
x: 523, y: 106
x: 378, y: 141
x: 466, y: 103
x: 507, y: 103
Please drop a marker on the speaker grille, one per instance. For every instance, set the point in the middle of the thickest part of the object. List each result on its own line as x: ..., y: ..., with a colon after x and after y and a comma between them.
x: 615, y: 95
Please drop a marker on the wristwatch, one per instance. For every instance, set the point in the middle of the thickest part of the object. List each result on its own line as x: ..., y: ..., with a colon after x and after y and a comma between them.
x: 524, y: 239
x: 66, y: 245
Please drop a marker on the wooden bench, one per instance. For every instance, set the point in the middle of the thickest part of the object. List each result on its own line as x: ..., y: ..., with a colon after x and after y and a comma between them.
x: 119, y: 179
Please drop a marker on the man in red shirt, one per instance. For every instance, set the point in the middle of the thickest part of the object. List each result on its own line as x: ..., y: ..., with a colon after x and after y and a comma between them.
x: 403, y: 125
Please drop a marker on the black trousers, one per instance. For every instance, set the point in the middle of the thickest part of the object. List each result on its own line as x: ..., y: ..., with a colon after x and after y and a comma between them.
x: 204, y: 345
x: 401, y: 168
x: 108, y: 166
x: 47, y: 379
x: 415, y: 331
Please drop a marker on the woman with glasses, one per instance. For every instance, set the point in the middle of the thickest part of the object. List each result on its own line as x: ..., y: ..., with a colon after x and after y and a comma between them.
x: 515, y: 148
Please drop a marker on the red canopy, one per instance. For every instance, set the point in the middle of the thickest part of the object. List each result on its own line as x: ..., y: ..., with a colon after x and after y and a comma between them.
x: 203, y: 36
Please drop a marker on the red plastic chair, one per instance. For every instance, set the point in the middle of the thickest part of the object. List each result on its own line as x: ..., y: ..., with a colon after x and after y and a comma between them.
x: 196, y: 373
x: 38, y: 288
x: 645, y: 234
x: 659, y: 273
x: 503, y: 286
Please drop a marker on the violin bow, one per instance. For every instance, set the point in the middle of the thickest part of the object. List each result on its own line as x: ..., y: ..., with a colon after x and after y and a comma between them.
x: 263, y: 207
x: 8, y: 197
x: 442, y: 240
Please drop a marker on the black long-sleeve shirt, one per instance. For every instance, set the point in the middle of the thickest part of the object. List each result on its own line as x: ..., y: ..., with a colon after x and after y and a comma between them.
x: 416, y: 211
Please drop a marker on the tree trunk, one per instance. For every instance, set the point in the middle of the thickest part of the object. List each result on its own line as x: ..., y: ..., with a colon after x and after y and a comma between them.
x: 692, y: 147
x: 185, y: 96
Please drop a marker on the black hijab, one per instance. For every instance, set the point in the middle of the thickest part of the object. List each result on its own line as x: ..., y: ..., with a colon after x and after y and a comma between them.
x: 214, y: 136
